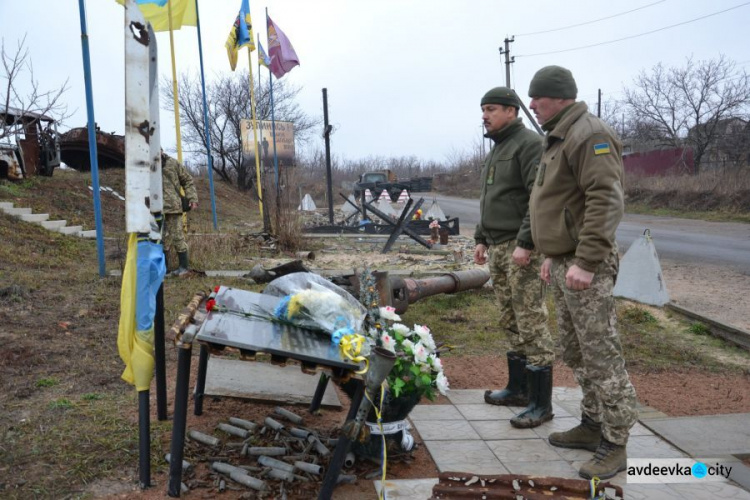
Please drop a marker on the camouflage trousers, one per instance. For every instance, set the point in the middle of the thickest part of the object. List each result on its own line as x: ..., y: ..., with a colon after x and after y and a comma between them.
x: 587, y: 323
x: 523, y: 313
x: 172, y: 234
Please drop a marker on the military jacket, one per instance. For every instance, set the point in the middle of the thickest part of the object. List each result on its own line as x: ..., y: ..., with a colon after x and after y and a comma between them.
x: 578, y: 201
x: 507, y: 178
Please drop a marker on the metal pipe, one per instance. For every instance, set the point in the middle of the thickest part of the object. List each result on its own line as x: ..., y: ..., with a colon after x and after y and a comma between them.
x: 447, y: 283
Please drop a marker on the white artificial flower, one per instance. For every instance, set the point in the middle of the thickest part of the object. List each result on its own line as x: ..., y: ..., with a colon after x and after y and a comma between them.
x: 442, y: 383
x: 437, y: 364
x: 421, y: 330
x: 420, y: 353
x: 408, y: 343
x: 401, y: 329
x: 388, y: 342
x: 373, y: 332
x: 389, y: 313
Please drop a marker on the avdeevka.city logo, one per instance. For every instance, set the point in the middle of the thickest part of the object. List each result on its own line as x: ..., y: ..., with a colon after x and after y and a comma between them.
x: 676, y: 470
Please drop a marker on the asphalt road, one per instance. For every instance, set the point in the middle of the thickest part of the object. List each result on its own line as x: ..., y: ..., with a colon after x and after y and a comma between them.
x: 683, y: 240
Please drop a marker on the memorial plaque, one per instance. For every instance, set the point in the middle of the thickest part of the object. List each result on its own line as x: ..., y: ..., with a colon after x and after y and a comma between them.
x: 243, y: 327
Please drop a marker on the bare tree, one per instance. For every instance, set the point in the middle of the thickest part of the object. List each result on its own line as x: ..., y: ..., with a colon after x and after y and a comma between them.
x: 687, y: 105
x: 228, y: 102
x: 25, y: 99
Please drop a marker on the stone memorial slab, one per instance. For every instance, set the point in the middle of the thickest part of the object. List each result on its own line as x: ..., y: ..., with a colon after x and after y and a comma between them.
x: 245, y: 325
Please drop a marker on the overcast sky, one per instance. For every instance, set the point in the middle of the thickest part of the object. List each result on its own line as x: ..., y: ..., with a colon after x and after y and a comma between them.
x: 403, y: 77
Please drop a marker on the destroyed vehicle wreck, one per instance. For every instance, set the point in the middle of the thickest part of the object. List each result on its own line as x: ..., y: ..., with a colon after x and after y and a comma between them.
x: 74, y: 149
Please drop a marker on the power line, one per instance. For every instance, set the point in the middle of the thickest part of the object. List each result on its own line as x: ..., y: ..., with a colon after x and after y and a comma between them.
x: 635, y: 36
x: 590, y: 22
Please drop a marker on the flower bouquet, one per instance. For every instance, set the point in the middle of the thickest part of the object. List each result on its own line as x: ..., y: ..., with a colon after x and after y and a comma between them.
x: 417, y: 372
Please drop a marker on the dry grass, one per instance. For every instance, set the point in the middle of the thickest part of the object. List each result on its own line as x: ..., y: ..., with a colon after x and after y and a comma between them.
x: 718, y: 195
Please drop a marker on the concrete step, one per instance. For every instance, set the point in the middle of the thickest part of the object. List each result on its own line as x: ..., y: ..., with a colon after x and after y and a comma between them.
x: 54, y: 225
x: 5, y: 205
x: 91, y: 233
x: 18, y: 211
x: 74, y: 230
x: 34, y: 217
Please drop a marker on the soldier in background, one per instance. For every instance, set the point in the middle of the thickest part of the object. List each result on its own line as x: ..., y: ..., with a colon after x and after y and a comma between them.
x: 576, y: 205
x: 174, y: 178
x: 503, y: 232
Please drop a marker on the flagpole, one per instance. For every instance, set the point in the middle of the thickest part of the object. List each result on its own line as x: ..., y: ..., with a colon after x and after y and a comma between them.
x: 273, y: 117
x: 174, y: 85
x: 255, y: 132
x: 205, y: 119
x: 93, y: 157
x: 260, y: 129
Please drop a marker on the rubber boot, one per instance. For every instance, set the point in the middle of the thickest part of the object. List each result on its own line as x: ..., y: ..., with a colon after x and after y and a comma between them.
x: 539, y: 380
x: 608, y: 460
x: 584, y: 436
x: 515, y: 393
x: 183, y: 267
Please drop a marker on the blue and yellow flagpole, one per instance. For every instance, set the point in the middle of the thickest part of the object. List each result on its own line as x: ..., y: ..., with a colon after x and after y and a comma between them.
x: 206, y: 127
x: 93, y: 157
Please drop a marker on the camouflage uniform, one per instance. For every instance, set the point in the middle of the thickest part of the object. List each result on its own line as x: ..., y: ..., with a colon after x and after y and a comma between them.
x: 587, y: 323
x: 576, y: 204
x: 174, y: 177
x: 522, y: 312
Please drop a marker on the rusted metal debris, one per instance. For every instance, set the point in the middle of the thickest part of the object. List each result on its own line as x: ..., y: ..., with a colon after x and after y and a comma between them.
x: 74, y: 149
x: 268, y: 459
x: 462, y: 485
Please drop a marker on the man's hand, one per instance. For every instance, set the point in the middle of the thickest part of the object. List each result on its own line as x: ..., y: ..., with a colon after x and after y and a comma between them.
x: 193, y: 205
x: 480, y: 254
x: 577, y: 278
x: 544, y: 271
x: 521, y: 257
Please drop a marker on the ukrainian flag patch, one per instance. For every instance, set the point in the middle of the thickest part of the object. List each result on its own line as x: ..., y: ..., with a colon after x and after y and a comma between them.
x: 601, y: 149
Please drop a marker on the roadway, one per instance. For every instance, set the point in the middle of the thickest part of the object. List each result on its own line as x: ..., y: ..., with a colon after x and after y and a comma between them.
x: 684, y: 240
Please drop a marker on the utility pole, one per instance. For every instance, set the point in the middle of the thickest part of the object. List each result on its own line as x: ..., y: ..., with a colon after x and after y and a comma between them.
x: 327, y: 135
x: 599, y: 105
x: 508, y: 61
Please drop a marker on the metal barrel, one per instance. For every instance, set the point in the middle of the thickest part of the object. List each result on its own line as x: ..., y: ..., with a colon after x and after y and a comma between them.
x: 400, y: 292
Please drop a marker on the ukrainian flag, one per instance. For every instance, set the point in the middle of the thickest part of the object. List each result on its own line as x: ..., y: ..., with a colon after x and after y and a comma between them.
x: 601, y: 148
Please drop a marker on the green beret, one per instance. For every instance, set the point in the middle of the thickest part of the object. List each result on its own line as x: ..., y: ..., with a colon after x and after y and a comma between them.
x: 553, y: 81
x: 501, y: 95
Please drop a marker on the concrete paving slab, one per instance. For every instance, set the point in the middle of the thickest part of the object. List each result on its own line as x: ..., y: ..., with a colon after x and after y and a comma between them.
x: 650, y: 492
x: 445, y: 430
x: 740, y: 474
x: 554, y: 468
x: 523, y: 450
x: 264, y: 382
x: 572, y: 407
x: 567, y: 394
x: 500, y: 429
x: 562, y: 412
x: 710, y: 491
x: 707, y: 435
x: 484, y: 411
x: 466, y: 396
x: 407, y: 489
x: 652, y: 447
x: 555, y: 425
x: 435, y: 412
x: 464, y: 456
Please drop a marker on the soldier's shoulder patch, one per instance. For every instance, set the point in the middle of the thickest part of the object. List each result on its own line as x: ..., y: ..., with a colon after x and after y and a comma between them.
x: 601, y: 149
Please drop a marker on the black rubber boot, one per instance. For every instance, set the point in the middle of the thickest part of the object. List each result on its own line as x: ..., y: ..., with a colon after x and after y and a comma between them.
x: 516, y: 392
x: 183, y: 268
x: 539, y: 379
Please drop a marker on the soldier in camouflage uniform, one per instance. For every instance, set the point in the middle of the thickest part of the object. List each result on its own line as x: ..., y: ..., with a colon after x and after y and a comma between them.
x: 174, y: 177
x: 576, y: 205
x: 504, y: 233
